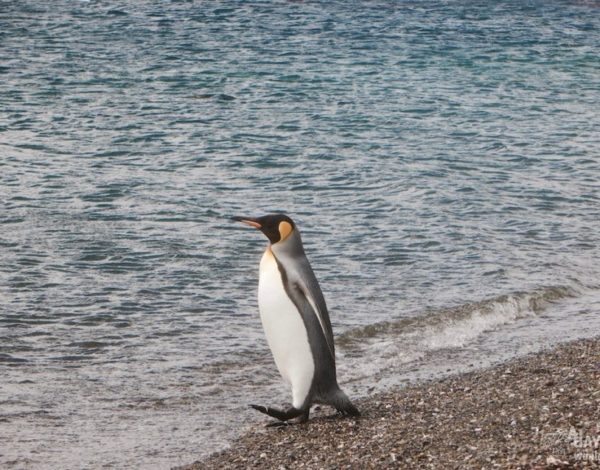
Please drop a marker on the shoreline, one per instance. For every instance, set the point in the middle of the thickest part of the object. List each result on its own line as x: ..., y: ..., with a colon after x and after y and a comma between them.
x: 537, y: 411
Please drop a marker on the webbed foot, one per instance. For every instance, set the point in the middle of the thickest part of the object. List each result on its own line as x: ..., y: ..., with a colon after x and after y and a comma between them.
x: 282, y: 415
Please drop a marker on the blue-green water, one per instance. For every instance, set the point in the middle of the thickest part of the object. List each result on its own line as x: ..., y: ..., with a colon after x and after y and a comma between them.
x: 441, y: 159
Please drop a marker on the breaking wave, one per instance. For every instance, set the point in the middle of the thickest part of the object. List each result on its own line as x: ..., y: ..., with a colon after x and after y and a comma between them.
x: 370, y: 350
x: 461, y: 323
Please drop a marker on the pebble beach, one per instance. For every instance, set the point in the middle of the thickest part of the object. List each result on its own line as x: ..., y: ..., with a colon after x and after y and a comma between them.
x: 539, y: 411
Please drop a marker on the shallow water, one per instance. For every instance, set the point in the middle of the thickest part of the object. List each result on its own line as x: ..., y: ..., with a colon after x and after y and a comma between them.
x: 441, y: 160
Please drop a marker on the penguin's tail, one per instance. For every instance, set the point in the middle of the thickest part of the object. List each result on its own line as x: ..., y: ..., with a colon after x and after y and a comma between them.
x: 342, y: 403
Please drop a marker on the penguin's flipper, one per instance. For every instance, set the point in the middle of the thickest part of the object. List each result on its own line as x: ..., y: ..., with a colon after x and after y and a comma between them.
x: 281, y: 415
x: 309, y: 298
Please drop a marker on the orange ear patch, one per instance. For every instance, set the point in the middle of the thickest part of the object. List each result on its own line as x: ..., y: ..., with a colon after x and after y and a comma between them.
x: 285, y: 228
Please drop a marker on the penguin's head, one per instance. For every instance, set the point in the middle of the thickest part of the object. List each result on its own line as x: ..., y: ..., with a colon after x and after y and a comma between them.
x: 276, y: 227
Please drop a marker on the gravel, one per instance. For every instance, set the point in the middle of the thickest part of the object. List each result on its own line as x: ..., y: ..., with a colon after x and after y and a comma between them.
x: 540, y: 411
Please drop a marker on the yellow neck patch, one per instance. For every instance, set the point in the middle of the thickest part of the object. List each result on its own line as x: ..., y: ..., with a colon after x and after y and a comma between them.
x: 285, y: 228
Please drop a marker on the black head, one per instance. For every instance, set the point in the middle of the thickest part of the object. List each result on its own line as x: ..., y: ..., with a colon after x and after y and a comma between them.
x: 277, y: 227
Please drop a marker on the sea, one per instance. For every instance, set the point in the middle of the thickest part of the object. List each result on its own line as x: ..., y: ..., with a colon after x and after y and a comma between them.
x: 440, y: 158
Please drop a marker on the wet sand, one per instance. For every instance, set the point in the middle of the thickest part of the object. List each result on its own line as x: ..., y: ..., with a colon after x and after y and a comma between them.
x: 540, y: 411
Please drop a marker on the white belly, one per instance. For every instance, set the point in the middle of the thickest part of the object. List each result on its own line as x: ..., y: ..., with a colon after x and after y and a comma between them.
x: 285, y: 330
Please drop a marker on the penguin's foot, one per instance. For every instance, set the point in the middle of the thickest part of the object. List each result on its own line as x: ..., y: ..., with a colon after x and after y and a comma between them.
x: 349, y: 410
x: 278, y: 424
x: 303, y: 417
x: 282, y: 415
x: 344, y: 413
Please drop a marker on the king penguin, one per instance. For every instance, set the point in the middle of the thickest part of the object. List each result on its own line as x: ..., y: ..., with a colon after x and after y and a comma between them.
x: 296, y: 322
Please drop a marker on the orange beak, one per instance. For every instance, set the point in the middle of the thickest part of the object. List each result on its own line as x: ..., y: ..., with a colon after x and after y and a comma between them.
x: 248, y: 221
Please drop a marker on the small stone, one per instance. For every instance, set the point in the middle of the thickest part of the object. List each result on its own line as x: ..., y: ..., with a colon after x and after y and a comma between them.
x: 551, y: 460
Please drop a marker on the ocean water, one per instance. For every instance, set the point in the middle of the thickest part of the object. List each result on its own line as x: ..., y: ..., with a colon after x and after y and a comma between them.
x: 442, y: 160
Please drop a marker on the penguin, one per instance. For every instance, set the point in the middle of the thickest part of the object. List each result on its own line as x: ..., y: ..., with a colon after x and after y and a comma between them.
x: 296, y: 322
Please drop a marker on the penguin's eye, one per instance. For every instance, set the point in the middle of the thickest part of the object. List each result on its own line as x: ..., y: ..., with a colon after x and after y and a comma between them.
x: 285, y: 228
